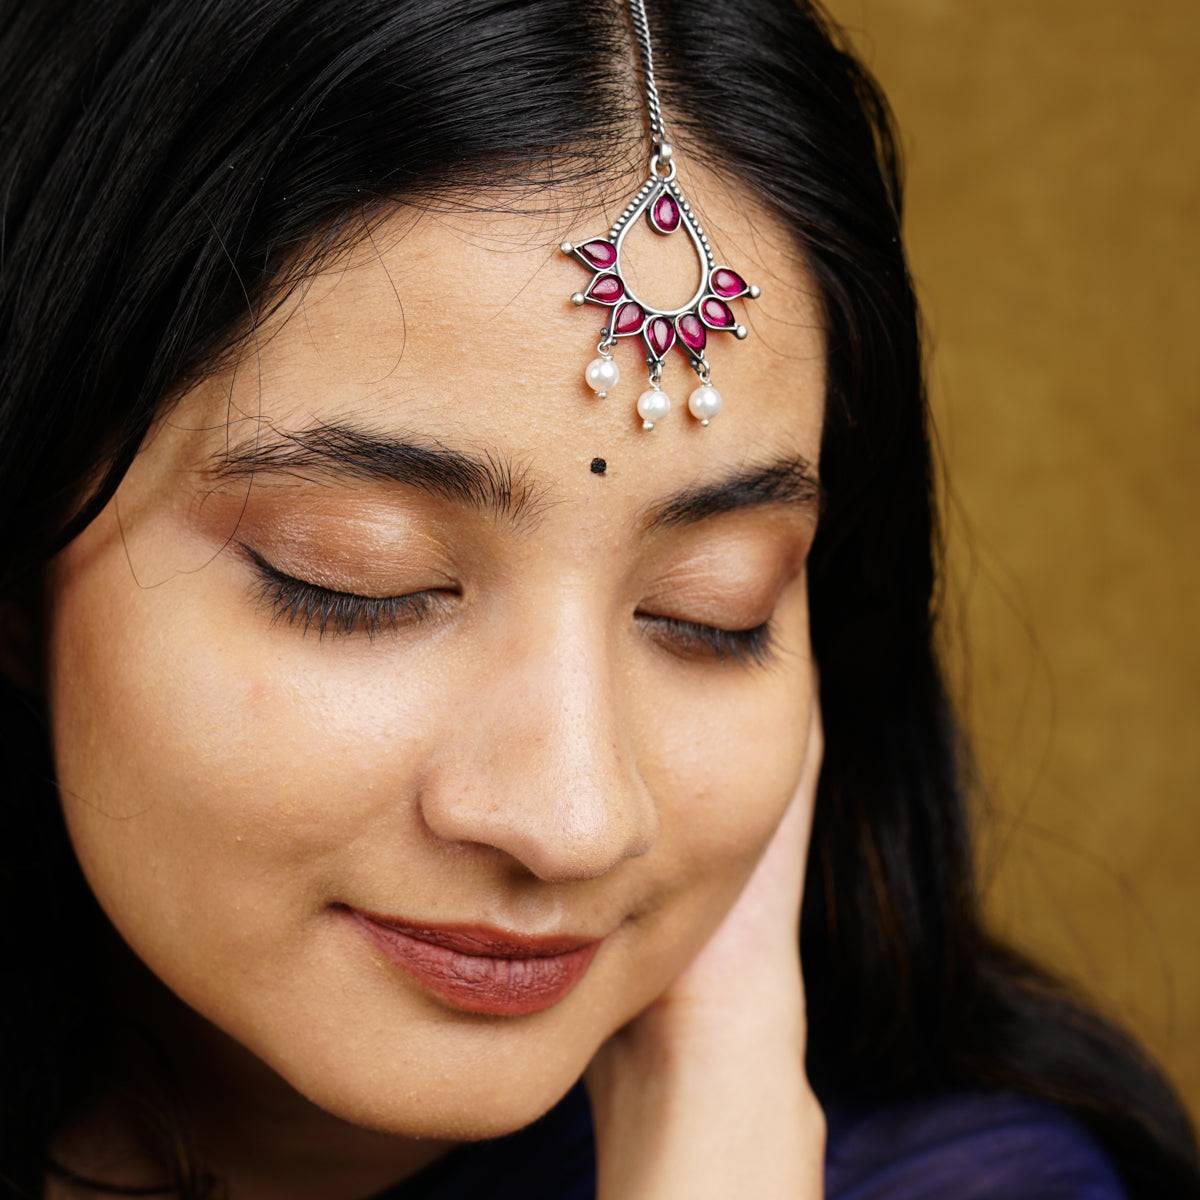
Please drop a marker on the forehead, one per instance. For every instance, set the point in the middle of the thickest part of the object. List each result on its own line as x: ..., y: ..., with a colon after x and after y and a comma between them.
x: 454, y: 322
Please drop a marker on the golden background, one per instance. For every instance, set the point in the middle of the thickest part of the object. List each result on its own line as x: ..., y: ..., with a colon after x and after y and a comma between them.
x: 1053, y: 204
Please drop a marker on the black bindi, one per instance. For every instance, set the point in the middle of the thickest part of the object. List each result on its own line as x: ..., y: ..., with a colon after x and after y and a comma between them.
x: 599, y: 466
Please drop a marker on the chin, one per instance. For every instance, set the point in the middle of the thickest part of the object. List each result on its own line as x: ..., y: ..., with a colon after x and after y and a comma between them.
x: 441, y: 1106
x: 445, y: 1081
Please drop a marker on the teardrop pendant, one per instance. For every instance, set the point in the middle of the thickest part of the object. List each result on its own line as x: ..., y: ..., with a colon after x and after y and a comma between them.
x: 687, y: 326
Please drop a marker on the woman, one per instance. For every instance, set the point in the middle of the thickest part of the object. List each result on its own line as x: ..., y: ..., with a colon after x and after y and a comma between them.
x: 336, y: 605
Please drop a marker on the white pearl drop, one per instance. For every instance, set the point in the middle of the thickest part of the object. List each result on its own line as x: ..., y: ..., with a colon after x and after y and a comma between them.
x: 704, y: 402
x: 602, y: 374
x: 652, y: 406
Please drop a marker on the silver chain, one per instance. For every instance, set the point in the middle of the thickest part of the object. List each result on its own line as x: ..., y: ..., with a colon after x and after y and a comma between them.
x: 641, y: 29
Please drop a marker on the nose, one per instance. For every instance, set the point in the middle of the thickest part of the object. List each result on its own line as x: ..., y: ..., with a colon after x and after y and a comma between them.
x: 540, y: 760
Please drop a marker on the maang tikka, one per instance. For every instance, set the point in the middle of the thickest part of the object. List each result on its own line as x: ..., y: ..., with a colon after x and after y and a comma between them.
x: 688, y: 326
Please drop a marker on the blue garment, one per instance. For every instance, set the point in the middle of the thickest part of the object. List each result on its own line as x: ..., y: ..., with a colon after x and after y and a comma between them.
x: 967, y: 1146
x: 985, y: 1145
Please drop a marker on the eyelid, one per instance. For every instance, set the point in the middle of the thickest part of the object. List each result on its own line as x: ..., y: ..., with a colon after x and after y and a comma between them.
x: 755, y: 645
x: 262, y: 563
x: 291, y: 599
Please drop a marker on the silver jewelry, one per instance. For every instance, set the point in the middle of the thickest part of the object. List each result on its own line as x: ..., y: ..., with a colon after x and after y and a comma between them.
x: 687, y: 326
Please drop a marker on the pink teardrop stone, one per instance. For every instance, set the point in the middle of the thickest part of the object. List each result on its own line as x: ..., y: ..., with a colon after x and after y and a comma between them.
x: 629, y: 318
x: 660, y: 335
x: 599, y: 253
x: 728, y: 283
x: 691, y: 331
x: 666, y: 213
x: 608, y: 289
x: 716, y: 313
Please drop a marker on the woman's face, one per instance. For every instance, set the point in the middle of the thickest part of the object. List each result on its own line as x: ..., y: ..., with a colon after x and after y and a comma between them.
x: 533, y: 745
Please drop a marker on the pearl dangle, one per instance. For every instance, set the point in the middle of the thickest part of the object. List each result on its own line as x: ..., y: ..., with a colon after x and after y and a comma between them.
x: 603, y: 373
x: 705, y: 401
x: 653, y: 404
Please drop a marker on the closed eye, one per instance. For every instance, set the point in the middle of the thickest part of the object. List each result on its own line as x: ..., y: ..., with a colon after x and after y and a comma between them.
x: 300, y: 602
x: 734, y: 645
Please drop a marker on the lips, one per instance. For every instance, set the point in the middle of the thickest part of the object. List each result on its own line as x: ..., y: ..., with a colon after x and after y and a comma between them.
x: 483, y: 939
x: 479, y: 968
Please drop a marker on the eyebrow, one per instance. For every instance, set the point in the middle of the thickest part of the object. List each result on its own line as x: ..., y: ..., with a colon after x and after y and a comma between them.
x: 490, y: 485
x: 340, y: 451
x: 788, y: 481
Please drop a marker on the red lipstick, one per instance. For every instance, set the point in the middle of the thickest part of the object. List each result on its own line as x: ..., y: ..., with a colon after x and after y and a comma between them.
x: 478, y: 968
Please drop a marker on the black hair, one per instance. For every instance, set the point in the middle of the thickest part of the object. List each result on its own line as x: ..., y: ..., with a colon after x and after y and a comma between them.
x: 171, y: 168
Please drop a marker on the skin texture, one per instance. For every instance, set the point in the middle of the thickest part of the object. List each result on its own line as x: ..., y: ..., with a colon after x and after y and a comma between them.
x: 704, y: 1094
x: 538, y: 755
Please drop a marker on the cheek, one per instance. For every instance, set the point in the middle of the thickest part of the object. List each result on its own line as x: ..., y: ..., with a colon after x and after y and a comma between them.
x: 730, y: 764
x: 726, y: 779
x: 731, y: 780
x: 216, y: 795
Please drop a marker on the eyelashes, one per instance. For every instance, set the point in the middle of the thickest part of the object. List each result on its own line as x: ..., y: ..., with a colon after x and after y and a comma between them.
x: 755, y: 645
x: 338, y: 614
x: 295, y: 601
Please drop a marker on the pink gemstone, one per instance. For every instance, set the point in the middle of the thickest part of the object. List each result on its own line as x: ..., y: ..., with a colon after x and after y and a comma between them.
x: 660, y: 335
x: 599, y: 253
x: 607, y: 289
x: 728, y: 283
x: 691, y: 331
x: 716, y: 314
x: 665, y: 213
x: 629, y: 318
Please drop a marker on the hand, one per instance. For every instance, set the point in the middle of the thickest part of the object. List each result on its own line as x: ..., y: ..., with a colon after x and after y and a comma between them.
x: 719, y: 1055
